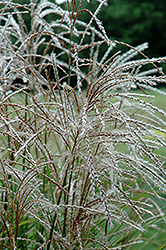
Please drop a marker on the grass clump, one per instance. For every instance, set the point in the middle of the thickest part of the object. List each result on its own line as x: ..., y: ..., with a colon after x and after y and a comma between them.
x: 78, y: 167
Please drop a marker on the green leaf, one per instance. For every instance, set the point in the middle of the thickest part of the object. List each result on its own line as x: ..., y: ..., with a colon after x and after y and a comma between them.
x: 163, y: 247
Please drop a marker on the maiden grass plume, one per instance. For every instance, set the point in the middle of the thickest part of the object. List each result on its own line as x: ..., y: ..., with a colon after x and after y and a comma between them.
x: 80, y: 162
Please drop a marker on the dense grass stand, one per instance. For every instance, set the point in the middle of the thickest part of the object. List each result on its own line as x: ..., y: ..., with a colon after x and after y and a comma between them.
x: 82, y: 144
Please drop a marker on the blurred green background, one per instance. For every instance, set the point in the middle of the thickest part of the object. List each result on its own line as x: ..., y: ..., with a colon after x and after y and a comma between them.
x: 137, y: 21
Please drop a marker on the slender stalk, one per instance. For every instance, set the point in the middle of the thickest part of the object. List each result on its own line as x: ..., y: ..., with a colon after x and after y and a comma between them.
x: 55, y: 215
x: 26, y: 114
x: 65, y: 209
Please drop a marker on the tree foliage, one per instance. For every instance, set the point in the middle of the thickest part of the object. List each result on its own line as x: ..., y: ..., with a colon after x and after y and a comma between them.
x: 136, y: 22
